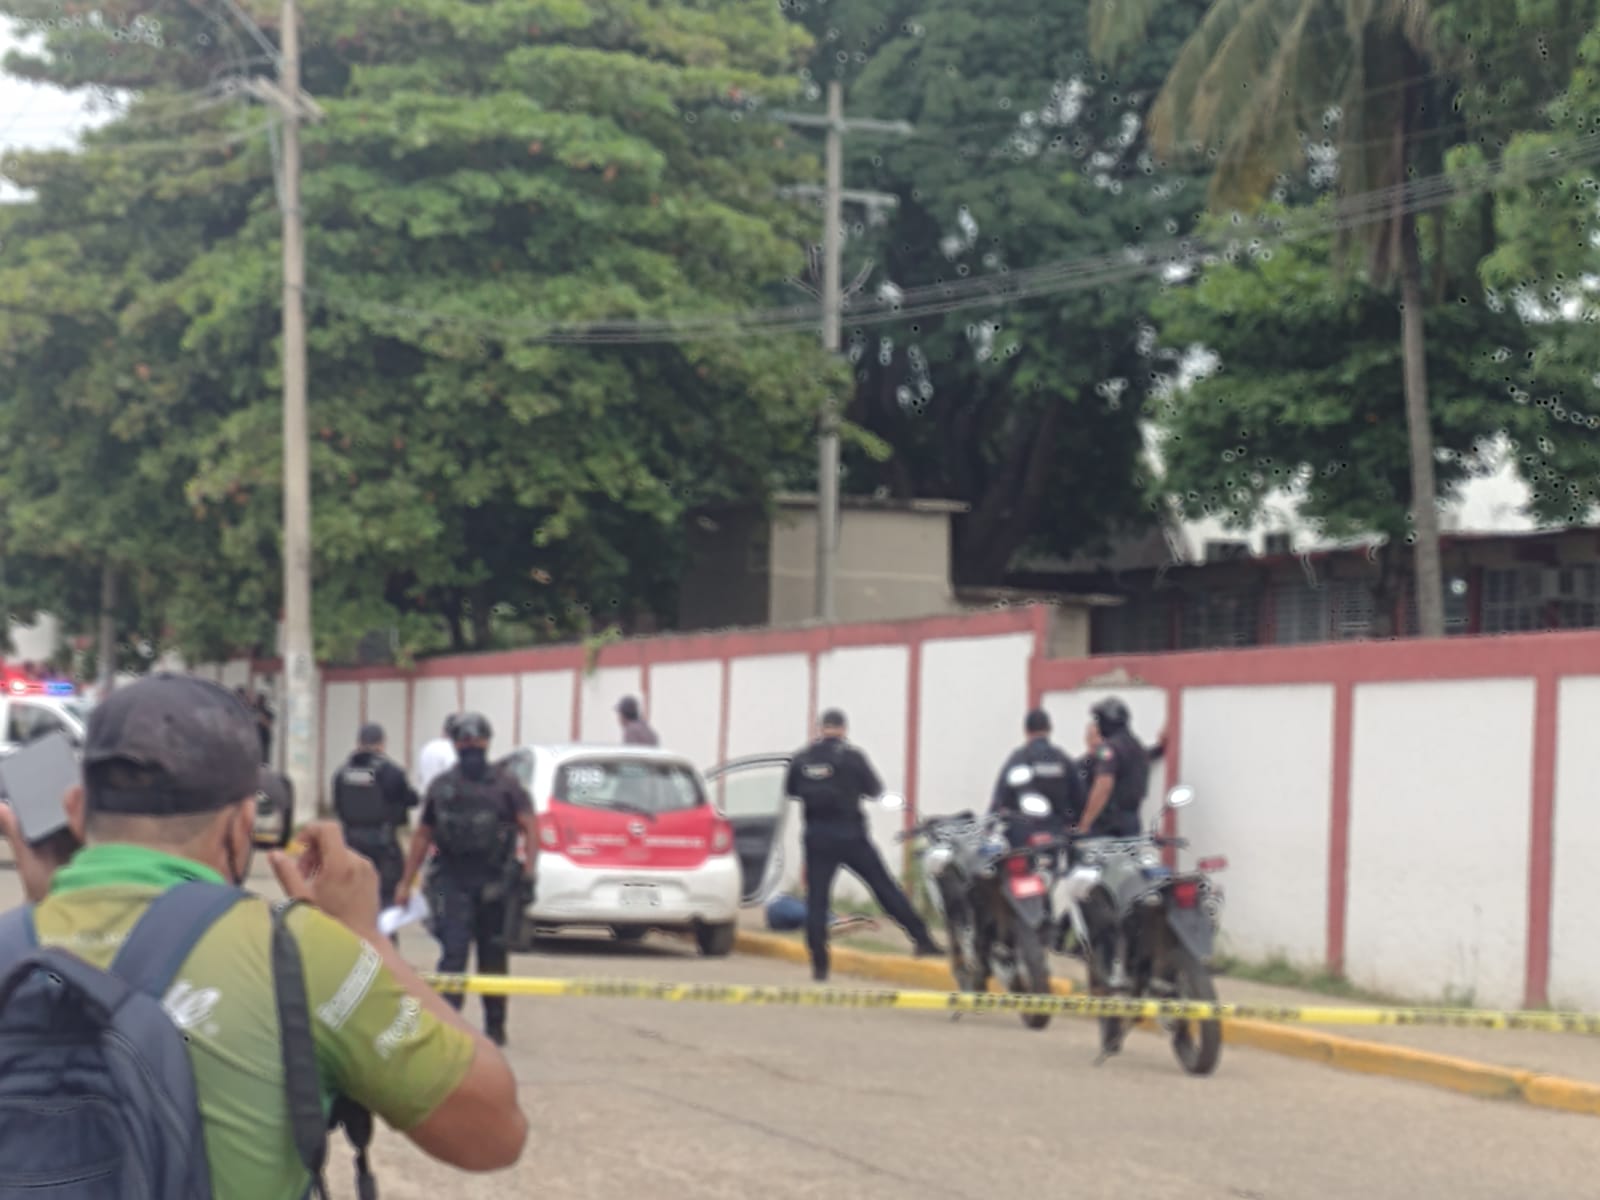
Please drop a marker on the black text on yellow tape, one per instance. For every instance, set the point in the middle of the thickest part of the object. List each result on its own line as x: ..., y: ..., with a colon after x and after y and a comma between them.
x: 1067, y: 1006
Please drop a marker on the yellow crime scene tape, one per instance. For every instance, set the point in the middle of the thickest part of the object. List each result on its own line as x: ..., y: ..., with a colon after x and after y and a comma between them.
x: 1010, y: 1002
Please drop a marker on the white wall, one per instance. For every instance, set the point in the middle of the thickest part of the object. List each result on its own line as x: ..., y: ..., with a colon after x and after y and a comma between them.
x: 386, y: 706
x: 767, y: 698
x: 973, y: 699
x: 686, y: 709
x: 495, y: 696
x: 870, y: 685
x: 1261, y: 762
x: 341, y: 726
x: 236, y: 673
x: 546, y: 708
x: 434, y: 700
x: 601, y: 691
x: 1574, y: 963
x: 1440, y: 793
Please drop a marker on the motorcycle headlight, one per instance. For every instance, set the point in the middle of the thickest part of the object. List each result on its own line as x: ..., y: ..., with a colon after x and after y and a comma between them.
x: 1149, y: 856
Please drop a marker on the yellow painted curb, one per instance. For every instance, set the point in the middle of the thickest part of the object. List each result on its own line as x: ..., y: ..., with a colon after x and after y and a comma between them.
x: 885, y: 968
x: 1330, y: 1050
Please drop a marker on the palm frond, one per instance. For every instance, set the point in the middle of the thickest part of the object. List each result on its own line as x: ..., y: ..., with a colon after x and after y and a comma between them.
x: 1116, y: 26
x: 1209, y: 89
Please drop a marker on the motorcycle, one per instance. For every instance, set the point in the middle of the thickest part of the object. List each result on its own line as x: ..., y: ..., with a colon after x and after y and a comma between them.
x: 993, y: 898
x: 1145, y: 931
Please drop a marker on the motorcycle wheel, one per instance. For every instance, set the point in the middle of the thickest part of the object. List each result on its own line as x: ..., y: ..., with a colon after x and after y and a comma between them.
x: 1198, y: 1044
x: 969, y: 975
x: 1033, y: 971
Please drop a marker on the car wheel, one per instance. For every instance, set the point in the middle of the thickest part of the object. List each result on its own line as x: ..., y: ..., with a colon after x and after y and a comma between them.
x: 716, y: 941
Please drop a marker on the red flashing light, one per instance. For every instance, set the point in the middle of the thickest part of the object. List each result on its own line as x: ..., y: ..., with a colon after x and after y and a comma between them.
x: 1186, y: 894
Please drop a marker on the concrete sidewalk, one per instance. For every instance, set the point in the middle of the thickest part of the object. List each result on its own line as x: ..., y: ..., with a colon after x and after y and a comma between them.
x: 1559, y: 1071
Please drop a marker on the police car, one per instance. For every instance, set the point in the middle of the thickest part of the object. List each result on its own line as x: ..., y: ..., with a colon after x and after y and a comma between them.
x: 635, y: 838
x: 30, y: 710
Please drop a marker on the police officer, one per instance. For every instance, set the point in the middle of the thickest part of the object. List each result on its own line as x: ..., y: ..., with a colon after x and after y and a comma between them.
x: 1121, y: 775
x: 830, y: 777
x: 472, y: 815
x: 1051, y: 773
x: 373, y: 801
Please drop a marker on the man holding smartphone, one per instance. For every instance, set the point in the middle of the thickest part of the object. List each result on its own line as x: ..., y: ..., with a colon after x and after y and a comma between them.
x: 171, y: 768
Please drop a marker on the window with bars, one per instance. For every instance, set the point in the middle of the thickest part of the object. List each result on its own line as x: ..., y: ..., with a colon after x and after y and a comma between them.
x: 1522, y: 599
x: 1141, y: 626
x: 1337, y: 610
x: 1219, y: 619
x: 1299, y: 613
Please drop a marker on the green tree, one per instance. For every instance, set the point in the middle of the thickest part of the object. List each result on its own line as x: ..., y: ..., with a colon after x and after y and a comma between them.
x: 1025, y: 152
x: 484, y: 170
x: 1260, y: 76
x: 1302, y: 397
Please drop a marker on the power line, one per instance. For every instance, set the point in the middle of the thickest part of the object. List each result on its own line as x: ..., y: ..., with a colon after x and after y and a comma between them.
x: 990, y: 290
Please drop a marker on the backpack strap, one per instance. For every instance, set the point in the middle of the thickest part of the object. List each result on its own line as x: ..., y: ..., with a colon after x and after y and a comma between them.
x: 308, y: 1126
x: 18, y: 937
x: 170, y: 928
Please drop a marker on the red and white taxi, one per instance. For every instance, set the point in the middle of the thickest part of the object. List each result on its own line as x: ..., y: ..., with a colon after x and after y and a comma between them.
x: 635, y: 838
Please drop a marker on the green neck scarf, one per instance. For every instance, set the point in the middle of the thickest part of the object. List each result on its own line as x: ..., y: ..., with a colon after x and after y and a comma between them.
x: 117, y: 865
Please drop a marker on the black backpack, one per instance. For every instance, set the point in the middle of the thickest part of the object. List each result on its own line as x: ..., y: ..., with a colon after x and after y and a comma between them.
x: 97, y: 1094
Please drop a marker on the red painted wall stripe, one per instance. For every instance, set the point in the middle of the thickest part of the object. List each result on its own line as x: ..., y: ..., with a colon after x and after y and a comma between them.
x: 913, y: 746
x: 516, y: 738
x: 1342, y: 759
x: 1541, y: 850
x: 724, y: 708
x: 1174, y: 759
x: 411, y: 724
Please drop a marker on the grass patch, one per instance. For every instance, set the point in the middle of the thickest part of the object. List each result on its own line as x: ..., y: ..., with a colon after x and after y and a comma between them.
x: 1278, y: 971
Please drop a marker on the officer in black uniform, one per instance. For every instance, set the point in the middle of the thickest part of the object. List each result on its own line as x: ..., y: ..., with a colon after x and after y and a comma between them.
x: 373, y: 799
x: 830, y: 777
x: 1121, y: 775
x: 472, y: 815
x: 1051, y: 773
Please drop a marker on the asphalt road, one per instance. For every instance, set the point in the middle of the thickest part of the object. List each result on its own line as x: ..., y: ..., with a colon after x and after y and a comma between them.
x: 662, y: 1100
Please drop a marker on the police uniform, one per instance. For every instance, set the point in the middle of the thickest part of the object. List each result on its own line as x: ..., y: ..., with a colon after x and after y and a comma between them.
x: 371, y: 798
x: 1055, y: 777
x: 829, y: 778
x: 474, y: 825
x: 1121, y: 756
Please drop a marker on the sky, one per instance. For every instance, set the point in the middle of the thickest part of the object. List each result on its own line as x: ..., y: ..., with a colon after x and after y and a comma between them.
x: 33, y: 116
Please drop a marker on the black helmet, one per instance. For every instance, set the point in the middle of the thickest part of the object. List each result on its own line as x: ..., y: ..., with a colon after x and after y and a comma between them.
x: 450, y: 725
x: 1111, y: 715
x: 472, y: 727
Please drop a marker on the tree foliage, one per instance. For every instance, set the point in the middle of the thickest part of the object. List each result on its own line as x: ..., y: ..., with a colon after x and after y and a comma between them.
x: 1025, y: 152
x: 483, y: 170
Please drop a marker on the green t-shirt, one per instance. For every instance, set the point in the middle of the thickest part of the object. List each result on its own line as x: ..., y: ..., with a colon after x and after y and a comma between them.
x: 375, y: 1042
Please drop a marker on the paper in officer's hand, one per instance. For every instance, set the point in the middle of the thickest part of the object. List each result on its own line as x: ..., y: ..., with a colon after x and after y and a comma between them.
x: 396, y: 918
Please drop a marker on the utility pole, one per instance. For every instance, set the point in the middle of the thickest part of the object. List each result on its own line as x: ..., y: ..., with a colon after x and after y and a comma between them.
x: 834, y: 195
x: 299, y: 662
x: 297, y: 651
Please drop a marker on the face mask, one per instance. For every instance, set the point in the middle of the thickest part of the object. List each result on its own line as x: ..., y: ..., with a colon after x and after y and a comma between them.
x: 474, y: 761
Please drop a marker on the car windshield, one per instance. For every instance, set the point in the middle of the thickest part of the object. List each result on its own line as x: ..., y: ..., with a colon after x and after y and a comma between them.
x: 636, y: 786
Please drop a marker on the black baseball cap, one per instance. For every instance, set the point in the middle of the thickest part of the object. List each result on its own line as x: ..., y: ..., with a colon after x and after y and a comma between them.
x: 628, y: 708
x: 190, y: 745
x: 834, y: 719
x: 370, y: 735
x: 1038, y: 721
